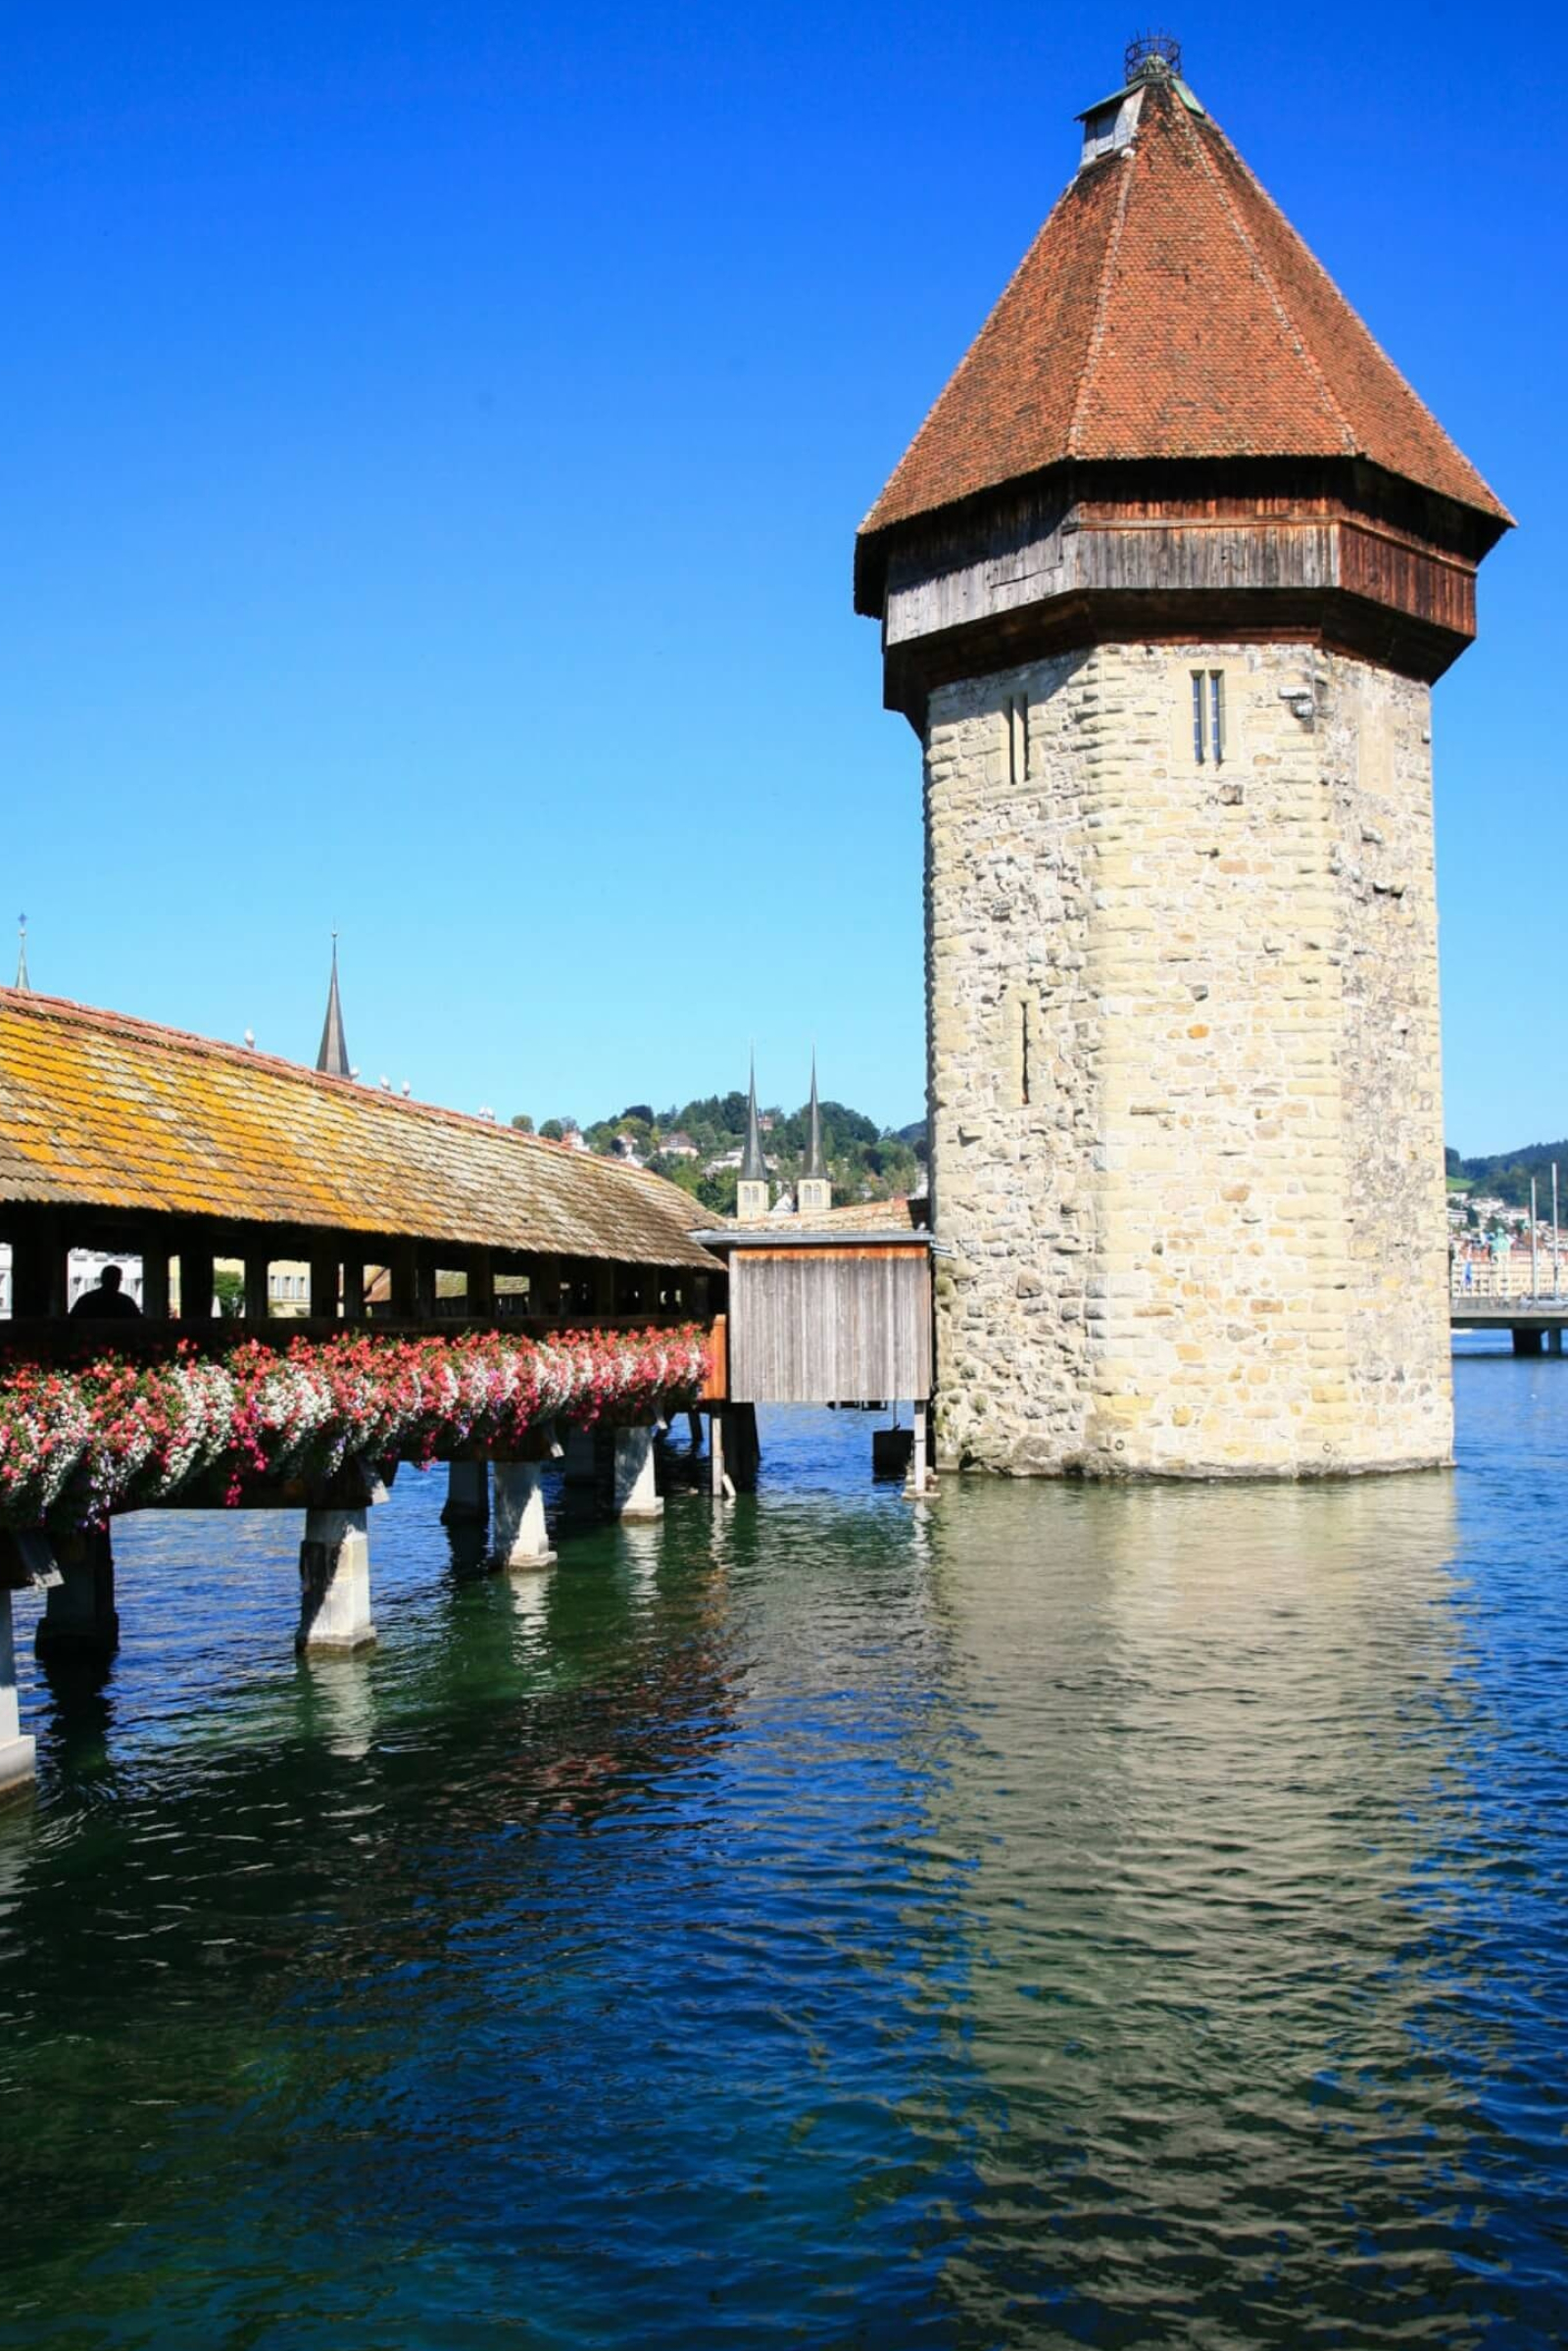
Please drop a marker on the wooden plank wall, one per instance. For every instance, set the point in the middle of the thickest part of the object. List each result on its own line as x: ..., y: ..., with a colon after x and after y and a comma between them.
x: 846, y: 1327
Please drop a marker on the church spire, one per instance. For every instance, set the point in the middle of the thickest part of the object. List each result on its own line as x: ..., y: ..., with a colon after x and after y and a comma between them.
x: 813, y: 1148
x: 333, y: 1056
x: 814, y: 1192
x: 751, y: 1191
x: 23, y: 981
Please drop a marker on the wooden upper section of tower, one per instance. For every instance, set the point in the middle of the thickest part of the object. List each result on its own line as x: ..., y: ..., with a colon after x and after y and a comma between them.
x: 1172, y: 372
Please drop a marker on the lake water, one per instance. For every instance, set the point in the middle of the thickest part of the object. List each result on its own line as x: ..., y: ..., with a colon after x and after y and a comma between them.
x: 1050, y: 1917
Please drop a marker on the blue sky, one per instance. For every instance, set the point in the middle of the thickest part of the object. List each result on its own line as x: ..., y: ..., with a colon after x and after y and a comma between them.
x: 434, y: 438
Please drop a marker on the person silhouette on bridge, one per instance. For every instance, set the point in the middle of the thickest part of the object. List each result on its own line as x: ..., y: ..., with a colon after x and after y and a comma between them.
x: 109, y: 1301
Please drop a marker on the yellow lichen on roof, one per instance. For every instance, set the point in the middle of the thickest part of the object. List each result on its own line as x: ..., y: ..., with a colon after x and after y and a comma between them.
x: 103, y: 1111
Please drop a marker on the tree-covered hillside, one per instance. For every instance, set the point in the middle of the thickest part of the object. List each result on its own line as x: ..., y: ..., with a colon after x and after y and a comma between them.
x: 689, y: 1145
x: 1505, y: 1175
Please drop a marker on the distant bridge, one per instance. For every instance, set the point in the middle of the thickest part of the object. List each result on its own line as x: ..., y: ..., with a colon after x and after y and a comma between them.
x: 1536, y: 1324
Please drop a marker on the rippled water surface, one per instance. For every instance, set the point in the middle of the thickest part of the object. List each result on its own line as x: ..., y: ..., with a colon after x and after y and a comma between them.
x: 1049, y: 1917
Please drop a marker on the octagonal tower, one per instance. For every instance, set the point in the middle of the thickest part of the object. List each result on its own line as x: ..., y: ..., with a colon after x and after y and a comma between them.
x: 1164, y: 580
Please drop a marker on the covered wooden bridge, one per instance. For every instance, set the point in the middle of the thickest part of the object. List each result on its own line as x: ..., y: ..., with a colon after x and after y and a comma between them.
x: 180, y: 1152
x: 120, y: 1135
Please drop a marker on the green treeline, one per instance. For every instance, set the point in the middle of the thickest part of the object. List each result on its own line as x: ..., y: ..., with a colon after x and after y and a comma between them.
x: 1506, y: 1175
x: 865, y: 1161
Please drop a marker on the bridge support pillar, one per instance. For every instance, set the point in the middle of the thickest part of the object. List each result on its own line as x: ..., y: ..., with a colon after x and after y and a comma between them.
x: 920, y: 1479
x: 742, y: 1446
x: 633, y: 1481
x: 1554, y: 1340
x: 335, y: 1584
x: 1527, y: 1342
x: 467, y: 1500
x: 16, y: 1752
x: 80, y: 1615
x: 521, y: 1538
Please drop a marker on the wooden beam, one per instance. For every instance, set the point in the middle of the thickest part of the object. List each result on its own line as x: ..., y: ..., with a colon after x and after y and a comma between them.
x: 425, y: 1273
x: 353, y: 1284
x: 543, y: 1285
x: 155, y: 1279
x: 38, y: 1265
x: 480, y: 1302
x: 195, y: 1253
x: 401, y: 1270
x: 324, y: 1282
x: 257, y: 1303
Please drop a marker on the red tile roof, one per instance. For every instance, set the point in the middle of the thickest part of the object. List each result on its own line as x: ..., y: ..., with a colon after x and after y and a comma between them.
x: 1167, y: 309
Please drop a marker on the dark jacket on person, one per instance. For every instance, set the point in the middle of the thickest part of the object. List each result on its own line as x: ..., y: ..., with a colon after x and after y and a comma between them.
x: 106, y: 1305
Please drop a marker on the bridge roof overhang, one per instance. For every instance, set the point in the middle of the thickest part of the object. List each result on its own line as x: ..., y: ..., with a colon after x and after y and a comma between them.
x: 121, y: 1119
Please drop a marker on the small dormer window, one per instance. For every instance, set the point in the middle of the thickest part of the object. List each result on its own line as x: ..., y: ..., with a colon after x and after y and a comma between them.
x: 1111, y: 127
x: 1208, y: 717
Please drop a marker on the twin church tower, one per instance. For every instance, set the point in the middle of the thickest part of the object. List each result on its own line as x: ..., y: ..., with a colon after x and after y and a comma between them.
x: 1164, y: 581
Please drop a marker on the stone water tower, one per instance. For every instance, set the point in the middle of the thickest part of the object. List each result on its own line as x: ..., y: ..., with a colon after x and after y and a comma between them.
x: 1164, y: 580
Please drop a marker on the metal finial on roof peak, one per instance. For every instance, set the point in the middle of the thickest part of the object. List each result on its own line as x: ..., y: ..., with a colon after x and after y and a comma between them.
x: 1150, y: 56
x: 332, y: 1060
x: 815, y: 1165
x: 754, y: 1167
x: 22, y: 980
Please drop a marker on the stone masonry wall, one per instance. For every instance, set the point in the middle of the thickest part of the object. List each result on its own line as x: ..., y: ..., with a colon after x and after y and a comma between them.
x: 1185, y: 1110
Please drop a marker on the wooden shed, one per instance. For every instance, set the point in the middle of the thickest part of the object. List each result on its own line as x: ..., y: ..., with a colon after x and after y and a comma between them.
x: 829, y: 1309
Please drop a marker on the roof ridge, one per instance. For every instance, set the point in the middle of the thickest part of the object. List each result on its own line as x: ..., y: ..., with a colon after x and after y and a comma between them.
x: 29, y: 1003
x: 1107, y: 272
x: 1347, y: 307
x: 1266, y: 279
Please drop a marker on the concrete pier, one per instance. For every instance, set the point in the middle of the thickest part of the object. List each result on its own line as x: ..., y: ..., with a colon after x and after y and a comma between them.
x: 336, y: 1584
x: 468, y: 1501
x: 79, y: 1613
x: 521, y: 1538
x: 16, y: 1752
x: 920, y: 1480
x: 634, y: 1489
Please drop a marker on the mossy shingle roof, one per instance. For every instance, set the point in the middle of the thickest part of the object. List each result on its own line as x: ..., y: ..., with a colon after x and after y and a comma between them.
x: 100, y: 1111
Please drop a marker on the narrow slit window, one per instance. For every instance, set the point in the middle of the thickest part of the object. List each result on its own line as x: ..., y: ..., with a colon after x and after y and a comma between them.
x: 1198, y: 728
x: 1017, y: 716
x: 1216, y: 715
x: 1023, y: 1047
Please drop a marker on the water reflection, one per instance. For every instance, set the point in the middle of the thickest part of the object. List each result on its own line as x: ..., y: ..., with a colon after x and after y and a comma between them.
x: 528, y: 1593
x: 1044, y: 1916
x: 1208, y: 1727
x: 338, y: 1704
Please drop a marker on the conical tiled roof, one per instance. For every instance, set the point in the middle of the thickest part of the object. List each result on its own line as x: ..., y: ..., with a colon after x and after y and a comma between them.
x: 1167, y: 310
